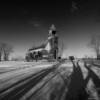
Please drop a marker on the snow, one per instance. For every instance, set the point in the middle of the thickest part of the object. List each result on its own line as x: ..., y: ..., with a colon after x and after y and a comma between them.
x: 22, y: 63
x: 16, y: 68
x: 67, y: 64
x: 10, y: 63
x: 83, y: 69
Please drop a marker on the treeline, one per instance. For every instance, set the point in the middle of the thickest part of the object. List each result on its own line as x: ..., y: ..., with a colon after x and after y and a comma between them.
x: 5, y: 51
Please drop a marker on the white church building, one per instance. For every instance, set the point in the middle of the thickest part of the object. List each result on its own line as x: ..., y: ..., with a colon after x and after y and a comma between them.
x: 48, y: 49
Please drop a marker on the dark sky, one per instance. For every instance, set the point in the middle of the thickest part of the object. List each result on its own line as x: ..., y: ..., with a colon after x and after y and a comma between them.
x: 23, y: 24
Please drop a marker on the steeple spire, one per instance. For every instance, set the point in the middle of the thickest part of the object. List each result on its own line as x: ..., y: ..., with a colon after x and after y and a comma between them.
x: 53, y: 28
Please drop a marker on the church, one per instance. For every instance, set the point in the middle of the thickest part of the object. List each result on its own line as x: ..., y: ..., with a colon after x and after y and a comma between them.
x: 48, y: 50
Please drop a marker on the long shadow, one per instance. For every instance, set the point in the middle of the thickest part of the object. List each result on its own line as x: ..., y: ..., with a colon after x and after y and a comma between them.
x: 92, y: 75
x: 77, y: 85
x: 98, y: 66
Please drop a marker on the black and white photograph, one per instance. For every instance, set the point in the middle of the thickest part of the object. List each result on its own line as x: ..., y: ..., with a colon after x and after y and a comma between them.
x: 50, y: 50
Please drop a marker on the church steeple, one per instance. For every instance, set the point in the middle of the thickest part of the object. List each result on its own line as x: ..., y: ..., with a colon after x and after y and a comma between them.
x: 53, y: 41
x: 52, y: 30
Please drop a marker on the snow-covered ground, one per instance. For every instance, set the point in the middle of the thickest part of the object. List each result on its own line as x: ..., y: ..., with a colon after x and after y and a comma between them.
x: 14, y: 64
x: 24, y: 70
x: 13, y: 71
x: 19, y: 67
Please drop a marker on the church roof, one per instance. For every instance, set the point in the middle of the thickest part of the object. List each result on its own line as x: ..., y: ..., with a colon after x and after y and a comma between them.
x: 38, y: 47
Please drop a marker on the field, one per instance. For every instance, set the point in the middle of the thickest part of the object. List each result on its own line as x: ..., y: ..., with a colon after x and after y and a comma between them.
x: 44, y: 80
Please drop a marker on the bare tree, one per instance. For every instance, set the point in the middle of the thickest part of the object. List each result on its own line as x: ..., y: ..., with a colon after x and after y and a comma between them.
x: 6, y: 49
x: 95, y: 44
